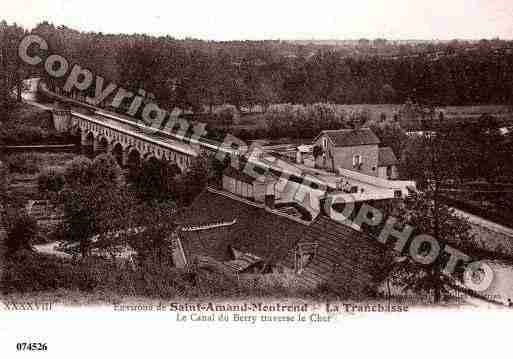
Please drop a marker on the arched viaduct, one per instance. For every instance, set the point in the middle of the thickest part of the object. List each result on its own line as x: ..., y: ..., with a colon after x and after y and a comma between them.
x: 130, y: 148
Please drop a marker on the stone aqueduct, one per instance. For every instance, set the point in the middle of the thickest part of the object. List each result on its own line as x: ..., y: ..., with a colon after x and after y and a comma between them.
x: 129, y: 148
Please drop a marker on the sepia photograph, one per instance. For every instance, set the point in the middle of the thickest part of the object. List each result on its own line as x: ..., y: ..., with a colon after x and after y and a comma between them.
x: 254, y: 177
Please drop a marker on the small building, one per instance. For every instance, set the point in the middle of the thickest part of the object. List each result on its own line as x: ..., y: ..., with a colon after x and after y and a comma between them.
x: 260, y: 188
x: 387, y: 164
x: 352, y: 149
x: 301, y: 151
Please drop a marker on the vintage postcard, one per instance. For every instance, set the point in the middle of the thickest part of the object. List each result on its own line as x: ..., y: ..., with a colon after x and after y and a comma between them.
x: 240, y: 178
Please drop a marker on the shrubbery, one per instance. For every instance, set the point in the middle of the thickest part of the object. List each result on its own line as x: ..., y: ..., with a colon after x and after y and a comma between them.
x: 28, y: 125
x: 31, y: 272
x: 31, y: 163
x: 226, y: 115
x: 28, y: 272
x: 82, y: 171
x: 51, y: 180
x: 21, y: 134
x: 23, y: 163
x: 105, y: 169
x: 78, y: 171
x: 21, y: 230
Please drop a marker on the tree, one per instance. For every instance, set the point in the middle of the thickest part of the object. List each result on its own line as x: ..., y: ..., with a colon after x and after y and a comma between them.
x: 391, y: 135
x: 193, y: 181
x: 388, y: 94
x: 92, y: 199
x: 105, y: 169
x: 155, y: 180
x: 78, y: 172
x: 20, y: 232
x: 215, y: 169
x: 12, y: 69
x: 158, y: 221
x: 431, y: 161
x: 424, y: 212
x: 51, y: 180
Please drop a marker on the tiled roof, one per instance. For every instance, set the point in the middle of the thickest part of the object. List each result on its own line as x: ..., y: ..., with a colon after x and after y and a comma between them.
x: 240, y: 175
x: 256, y: 230
x: 386, y: 157
x: 348, y: 260
x: 243, y: 262
x: 350, y: 137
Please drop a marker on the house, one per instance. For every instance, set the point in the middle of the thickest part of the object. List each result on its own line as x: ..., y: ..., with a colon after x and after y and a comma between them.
x: 259, y: 188
x: 353, y: 149
x: 304, y: 155
x: 227, y: 232
x: 356, y: 150
x: 387, y: 164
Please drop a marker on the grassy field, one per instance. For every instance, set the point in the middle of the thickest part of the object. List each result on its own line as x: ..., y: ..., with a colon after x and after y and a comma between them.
x: 24, y: 170
x: 477, y: 110
x: 35, y: 162
x: 251, y: 121
x: 30, y: 125
x: 28, y: 115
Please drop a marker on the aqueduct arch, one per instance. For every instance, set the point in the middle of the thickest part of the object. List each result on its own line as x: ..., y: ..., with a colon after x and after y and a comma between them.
x: 130, y: 149
x: 117, y: 152
x: 134, y: 158
x: 102, y: 145
x: 87, y: 142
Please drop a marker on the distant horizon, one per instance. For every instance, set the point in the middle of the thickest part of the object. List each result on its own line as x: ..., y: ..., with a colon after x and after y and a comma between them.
x: 286, y: 20
x: 435, y: 40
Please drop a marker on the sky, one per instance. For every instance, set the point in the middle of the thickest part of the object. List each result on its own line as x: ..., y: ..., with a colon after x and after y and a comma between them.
x: 274, y: 19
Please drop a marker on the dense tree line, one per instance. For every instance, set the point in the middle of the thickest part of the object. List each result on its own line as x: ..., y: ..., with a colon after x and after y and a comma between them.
x: 12, y: 70
x: 197, y: 75
x: 97, y: 201
x: 467, y: 152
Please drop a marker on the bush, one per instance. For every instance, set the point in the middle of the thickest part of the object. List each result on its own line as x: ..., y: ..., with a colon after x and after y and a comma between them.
x: 155, y: 179
x: 226, y: 115
x: 23, y: 163
x: 20, y: 232
x: 28, y: 272
x: 51, y: 180
x: 78, y: 171
x: 19, y: 134
x: 32, y: 163
x: 28, y: 125
x: 105, y: 169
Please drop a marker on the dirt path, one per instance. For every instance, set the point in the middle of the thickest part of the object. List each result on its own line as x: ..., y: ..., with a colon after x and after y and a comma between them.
x: 51, y: 249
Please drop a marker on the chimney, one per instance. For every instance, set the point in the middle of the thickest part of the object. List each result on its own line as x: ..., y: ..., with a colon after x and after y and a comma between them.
x: 299, y: 157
